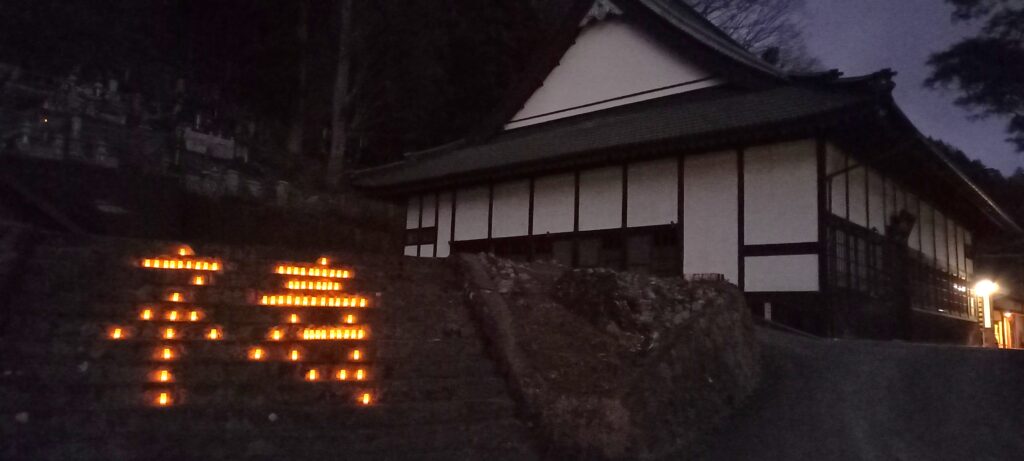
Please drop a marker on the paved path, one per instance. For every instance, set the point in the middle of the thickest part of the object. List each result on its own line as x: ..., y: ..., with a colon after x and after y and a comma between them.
x: 866, y: 400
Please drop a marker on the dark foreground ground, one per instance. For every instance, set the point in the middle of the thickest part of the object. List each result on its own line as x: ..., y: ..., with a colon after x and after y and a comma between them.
x: 866, y: 400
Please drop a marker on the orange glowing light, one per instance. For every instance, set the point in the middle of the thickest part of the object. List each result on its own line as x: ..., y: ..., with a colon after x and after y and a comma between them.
x: 164, y: 399
x: 193, y: 316
x: 169, y: 333
x: 163, y: 376
x: 172, y: 316
x: 365, y: 398
x: 294, y: 318
x: 185, y: 250
x: 331, y: 334
x: 312, y: 375
x: 342, y: 375
x: 318, y: 270
x: 314, y: 301
x: 256, y: 353
x: 276, y: 334
x: 166, y: 353
x: 213, y: 334
x: 182, y: 264
x: 294, y: 355
x: 350, y: 319
x: 116, y: 333
x: 357, y: 355
x: 307, y: 285
x: 146, y: 314
x: 175, y: 297
x: 199, y: 280
x: 360, y: 375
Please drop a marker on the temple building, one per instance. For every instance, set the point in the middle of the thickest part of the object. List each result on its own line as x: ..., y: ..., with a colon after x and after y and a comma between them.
x: 646, y: 139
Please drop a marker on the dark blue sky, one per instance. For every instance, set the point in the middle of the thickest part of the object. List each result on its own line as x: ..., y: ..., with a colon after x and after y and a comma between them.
x: 861, y: 36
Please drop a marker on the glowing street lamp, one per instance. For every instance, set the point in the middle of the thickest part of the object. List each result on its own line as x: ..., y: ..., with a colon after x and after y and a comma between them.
x: 986, y: 288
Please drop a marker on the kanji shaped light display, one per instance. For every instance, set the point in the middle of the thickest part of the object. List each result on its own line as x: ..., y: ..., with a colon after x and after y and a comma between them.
x: 309, y: 295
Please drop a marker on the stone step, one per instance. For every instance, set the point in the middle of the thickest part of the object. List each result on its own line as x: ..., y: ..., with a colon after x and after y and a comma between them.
x: 262, y: 386
x: 285, y: 391
x: 496, y: 439
x: 185, y: 352
x: 45, y: 278
x: 43, y: 319
x: 340, y: 415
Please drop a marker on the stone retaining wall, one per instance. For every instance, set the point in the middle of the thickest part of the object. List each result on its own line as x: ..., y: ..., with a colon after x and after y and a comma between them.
x: 615, y: 365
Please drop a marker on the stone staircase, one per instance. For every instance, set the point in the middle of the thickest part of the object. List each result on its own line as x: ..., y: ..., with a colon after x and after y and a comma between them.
x: 84, y: 336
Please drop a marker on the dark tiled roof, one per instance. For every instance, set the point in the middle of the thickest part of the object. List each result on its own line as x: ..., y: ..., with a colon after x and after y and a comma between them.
x: 707, y: 112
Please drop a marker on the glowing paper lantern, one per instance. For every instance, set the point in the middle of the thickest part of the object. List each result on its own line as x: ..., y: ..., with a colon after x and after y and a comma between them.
x: 162, y: 375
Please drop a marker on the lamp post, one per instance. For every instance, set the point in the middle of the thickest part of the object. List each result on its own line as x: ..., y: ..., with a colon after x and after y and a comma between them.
x: 986, y: 288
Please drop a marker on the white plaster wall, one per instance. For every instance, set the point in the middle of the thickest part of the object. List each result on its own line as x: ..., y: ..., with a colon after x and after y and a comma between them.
x: 471, y: 209
x: 913, y: 207
x: 780, y: 193
x: 876, y: 202
x: 961, y: 256
x: 601, y: 198
x: 895, y: 198
x: 969, y: 263
x: 553, y: 203
x: 710, y: 215
x: 653, y: 193
x: 781, y: 273
x: 444, y: 224
x: 610, y: 59
x: 412, y: 213
x: 511, y: 217
x: 941, y: 252
x: 858, y: 195
x: 428, y: 209
x: 836, y: 161
x: 900, y: 197
x: 927, y: 231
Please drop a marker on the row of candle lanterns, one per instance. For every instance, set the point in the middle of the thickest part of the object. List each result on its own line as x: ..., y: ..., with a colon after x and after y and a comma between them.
x: 313, y: 277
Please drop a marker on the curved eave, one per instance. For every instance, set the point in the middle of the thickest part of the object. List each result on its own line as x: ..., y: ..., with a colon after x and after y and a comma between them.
x: 990, y: 208
x: 703, y: 142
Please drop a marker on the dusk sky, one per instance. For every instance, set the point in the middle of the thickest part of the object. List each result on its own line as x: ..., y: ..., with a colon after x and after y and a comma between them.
x: 862, y: 36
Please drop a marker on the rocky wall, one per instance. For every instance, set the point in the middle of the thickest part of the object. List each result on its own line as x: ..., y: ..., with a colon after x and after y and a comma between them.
x: 615, y: 365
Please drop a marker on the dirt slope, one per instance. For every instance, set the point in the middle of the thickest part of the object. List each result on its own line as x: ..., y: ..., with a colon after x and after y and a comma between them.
x: 865, y: 400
